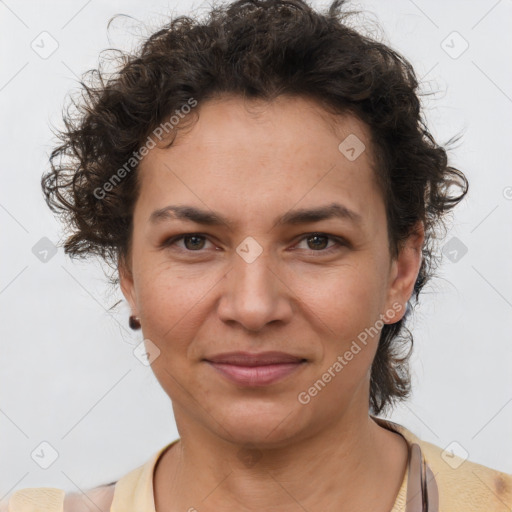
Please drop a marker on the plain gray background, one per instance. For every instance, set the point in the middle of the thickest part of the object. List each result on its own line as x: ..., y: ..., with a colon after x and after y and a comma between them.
x: 67, y: 369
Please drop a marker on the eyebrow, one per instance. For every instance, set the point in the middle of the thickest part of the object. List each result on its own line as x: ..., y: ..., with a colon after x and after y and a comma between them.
x: 293, y: 217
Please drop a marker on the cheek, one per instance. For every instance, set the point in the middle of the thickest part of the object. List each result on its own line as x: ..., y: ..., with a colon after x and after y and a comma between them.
x: 347, y: 299
x: 348, y: 308
x: 349, y: 303
x: 173, y: 307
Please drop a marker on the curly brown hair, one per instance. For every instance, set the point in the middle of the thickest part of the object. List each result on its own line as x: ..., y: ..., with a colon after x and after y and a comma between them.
x: 256, y: 49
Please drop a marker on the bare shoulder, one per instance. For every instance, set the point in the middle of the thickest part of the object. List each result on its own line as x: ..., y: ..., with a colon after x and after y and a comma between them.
x: 94, y: 500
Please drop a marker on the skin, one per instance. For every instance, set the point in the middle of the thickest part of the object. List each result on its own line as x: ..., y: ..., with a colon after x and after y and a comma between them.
x: 252, y: 161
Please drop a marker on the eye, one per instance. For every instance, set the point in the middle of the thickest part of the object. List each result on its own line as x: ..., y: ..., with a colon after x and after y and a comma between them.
x: 317, y: 242
x: 193, y: 242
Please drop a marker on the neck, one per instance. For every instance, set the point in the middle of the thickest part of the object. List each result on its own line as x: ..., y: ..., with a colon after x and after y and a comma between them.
x: 207, y: 473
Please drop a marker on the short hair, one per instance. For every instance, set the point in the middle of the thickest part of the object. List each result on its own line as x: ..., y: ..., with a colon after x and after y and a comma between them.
x: 257, y: 49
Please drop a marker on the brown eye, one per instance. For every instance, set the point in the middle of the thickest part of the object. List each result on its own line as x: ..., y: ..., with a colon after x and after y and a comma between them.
x: 317, y: 242
x: 192, y: 242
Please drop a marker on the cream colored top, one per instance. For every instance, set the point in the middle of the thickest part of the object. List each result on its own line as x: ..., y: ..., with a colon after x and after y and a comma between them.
x: 463, y: 486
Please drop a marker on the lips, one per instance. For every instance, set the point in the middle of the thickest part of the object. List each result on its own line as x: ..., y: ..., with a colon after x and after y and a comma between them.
x: 254, y: 359
x: 255, y: 369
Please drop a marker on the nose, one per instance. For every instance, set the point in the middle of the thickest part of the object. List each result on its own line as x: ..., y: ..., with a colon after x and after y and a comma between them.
x: 255, y: 294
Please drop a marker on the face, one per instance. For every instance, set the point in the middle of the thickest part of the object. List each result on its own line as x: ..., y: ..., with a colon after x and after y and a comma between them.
x: 250, y: 275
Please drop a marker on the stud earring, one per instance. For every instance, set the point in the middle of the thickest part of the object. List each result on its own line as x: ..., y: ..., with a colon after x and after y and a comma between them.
x: 134, y: 322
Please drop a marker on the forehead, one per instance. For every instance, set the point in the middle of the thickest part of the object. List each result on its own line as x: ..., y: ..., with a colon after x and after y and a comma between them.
x: 249, y: 156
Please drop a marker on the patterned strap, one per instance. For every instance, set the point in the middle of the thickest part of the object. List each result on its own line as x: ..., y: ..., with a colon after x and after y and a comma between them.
x: 37, y: 499
x: 432, y: 492
x: 422, y: 491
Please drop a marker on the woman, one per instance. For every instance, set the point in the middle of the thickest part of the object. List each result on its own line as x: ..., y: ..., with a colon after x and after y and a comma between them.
x: 269, y: 195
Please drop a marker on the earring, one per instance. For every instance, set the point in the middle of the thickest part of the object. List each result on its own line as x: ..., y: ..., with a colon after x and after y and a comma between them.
x: 134, y: 322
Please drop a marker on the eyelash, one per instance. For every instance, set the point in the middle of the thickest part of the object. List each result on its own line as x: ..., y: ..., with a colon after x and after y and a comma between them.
x: 339, y: 242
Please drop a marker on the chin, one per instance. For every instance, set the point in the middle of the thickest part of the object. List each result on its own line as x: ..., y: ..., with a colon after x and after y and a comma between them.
x: 265, y: 424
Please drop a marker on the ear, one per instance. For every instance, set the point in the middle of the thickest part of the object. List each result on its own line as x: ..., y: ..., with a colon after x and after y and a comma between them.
x: 127, y: 284
x: 404, y: 272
